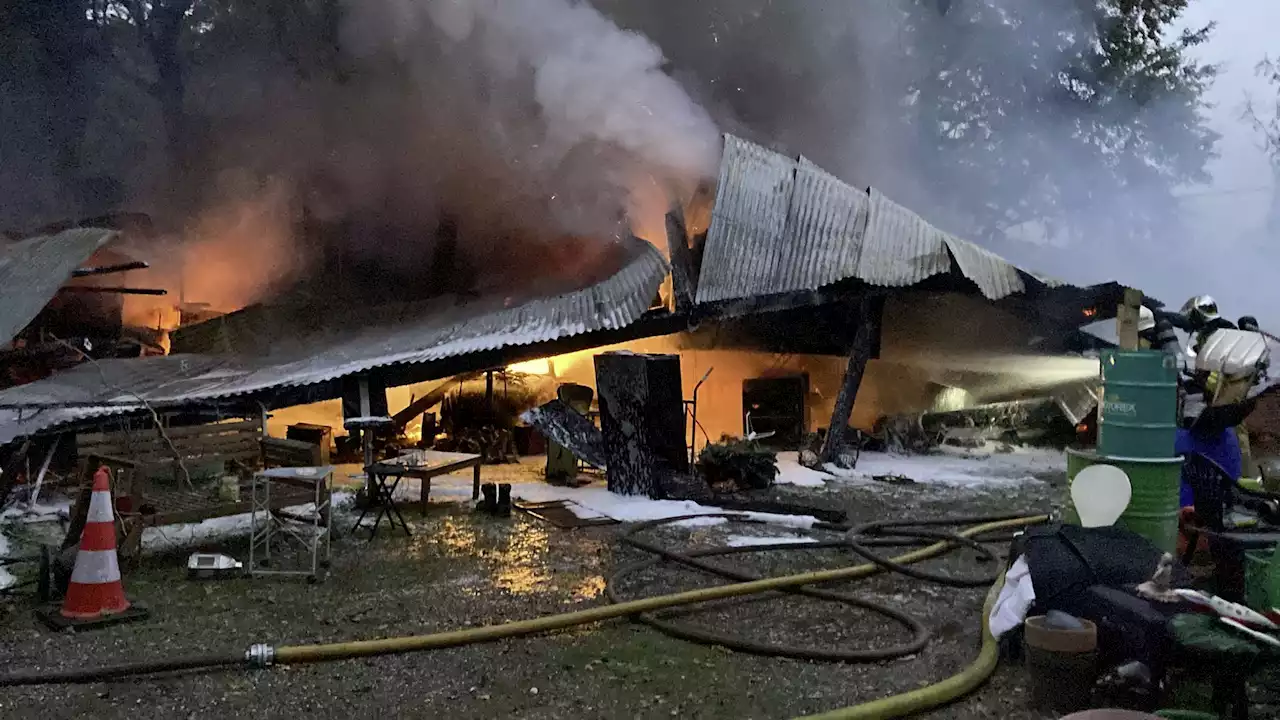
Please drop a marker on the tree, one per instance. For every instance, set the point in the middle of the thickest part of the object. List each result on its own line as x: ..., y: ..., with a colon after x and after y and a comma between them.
x: 983, y: 115
x: 1265, y: 118
x: 161, y: 27
x: 168, y: 47
x: 1081, y: 114
x: 70, y: 47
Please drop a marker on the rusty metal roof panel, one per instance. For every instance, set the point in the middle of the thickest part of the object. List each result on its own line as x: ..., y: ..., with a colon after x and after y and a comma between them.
x: 32, y: 271
x: 783, y: 225
x: 112, y: 387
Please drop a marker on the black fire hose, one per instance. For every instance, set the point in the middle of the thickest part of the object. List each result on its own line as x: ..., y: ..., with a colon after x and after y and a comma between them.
x: 920, y: 634
x: 104, y: 673
x: 859, y: 539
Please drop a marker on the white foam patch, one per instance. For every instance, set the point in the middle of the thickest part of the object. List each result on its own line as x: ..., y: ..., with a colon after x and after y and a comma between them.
x: 168, y: 538
x: 49, y: 510
x: 445, y: 488
x: 6, y: 577
x: 624, y: 508
x: 956, y: 467
x: 745, y: 540
x: 791, y: 472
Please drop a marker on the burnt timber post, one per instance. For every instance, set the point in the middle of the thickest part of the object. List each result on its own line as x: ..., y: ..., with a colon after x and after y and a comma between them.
x: 642, y: 418
x: 683, y: 282
x: 864, y: 339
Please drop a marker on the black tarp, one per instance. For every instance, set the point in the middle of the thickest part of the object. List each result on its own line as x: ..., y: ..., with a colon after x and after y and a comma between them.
x: 1066, y: 560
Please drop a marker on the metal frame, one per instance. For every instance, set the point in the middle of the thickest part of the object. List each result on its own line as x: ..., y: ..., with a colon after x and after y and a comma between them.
x: 314, y: 534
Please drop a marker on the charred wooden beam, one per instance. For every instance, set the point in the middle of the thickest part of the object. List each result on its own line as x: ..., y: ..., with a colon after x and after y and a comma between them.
x: 865, y: 339
x: 12, y: 464
x: 683, y: 274
x: 110, y: 269
x: 430, y: 400
x: 115, y: 290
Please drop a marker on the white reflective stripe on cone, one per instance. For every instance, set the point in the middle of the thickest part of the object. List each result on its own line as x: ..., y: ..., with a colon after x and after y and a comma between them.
x: 100, y: 508
x: 94, y: 567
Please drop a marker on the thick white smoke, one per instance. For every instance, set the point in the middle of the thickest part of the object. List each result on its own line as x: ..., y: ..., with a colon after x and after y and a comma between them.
x: 566, y: 102
x: 592, y: 81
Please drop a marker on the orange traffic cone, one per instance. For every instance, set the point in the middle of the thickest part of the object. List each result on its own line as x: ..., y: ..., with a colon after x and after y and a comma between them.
x: 96, y: 595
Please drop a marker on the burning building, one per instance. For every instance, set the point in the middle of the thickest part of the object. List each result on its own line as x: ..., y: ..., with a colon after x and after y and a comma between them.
x: 764, y: 300
x: 68, y: 287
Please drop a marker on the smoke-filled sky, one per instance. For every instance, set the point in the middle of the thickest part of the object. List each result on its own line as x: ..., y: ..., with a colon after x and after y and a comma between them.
x: 1229, y: 216
x: 535, y: 119
x: 815, y: 88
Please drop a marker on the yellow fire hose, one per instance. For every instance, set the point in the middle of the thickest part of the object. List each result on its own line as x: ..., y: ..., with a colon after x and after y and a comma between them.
x: 892, y: 707
x: 295, y: 654
x: 938, y: 694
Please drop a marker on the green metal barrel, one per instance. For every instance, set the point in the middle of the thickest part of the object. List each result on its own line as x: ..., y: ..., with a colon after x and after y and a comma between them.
x: 1153, y: 507
x: 1138, y: 415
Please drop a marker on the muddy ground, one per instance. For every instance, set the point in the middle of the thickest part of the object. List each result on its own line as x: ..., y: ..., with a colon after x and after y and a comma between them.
x: 461, y: 569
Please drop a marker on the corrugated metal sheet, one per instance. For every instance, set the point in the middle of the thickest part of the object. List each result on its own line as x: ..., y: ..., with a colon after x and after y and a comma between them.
x: 113, y: 387
x: 32, y: 270
x: 900, y: 249
x: 785, y: 225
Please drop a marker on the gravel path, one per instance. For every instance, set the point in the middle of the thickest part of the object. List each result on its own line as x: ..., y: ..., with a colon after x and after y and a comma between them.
x: 462, y: 569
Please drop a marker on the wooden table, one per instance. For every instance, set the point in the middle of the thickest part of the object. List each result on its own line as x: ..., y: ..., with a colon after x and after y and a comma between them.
x: 424, y: 465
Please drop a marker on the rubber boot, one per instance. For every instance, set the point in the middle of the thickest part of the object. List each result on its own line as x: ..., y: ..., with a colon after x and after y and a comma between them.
x: 504, y: 500
x: 489, y: 498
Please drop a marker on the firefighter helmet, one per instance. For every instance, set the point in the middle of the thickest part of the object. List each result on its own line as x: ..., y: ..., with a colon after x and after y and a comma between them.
x: 1146, y: 319
x: 1200, y: 309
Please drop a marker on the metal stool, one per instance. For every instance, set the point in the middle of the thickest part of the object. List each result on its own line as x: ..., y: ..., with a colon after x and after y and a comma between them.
x: 312, y: 532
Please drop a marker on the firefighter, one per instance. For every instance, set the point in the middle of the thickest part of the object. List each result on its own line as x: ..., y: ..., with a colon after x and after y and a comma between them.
x: 1146, y: 328
x: 1204, y: 431
x: 1202, y: 320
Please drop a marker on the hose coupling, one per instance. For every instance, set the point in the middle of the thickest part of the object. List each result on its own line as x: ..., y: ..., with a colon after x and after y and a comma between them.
x: 260, y: 655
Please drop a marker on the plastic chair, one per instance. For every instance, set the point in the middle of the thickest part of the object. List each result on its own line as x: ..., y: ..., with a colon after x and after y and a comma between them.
x: 1215, y: 493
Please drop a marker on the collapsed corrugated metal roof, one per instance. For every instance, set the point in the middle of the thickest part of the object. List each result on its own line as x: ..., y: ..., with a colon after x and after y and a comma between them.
x: 784, y: 225
x: 32, y: 270
x: 106, y: 388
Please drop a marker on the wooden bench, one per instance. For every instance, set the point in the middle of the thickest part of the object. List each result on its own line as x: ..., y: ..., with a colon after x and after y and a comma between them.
x: 151, y: 489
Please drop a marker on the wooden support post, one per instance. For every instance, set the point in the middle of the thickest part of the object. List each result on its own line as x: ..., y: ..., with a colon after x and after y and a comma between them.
x: 863, y: 340
x: 1127, y: 319
x: 10, y: 471
x: 683, y: 277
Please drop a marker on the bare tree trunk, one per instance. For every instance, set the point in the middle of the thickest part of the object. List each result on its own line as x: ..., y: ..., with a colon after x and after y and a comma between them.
x: 162, y: 25
x: 72, y: 48
x: 864, y: 337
